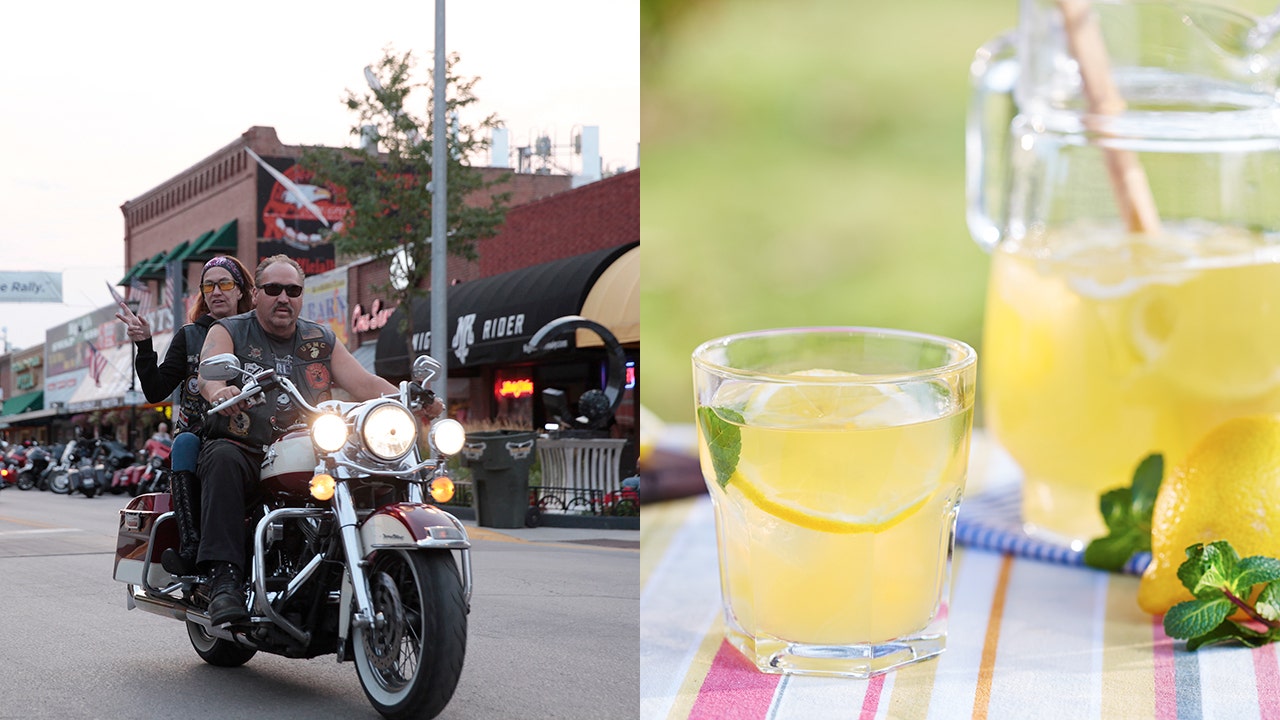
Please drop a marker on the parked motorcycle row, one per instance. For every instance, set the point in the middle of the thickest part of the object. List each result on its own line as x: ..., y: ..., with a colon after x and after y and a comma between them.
x: 85, y: 466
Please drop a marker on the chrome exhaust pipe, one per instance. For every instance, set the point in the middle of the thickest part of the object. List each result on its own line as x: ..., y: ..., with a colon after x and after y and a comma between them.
x: 159, y: 606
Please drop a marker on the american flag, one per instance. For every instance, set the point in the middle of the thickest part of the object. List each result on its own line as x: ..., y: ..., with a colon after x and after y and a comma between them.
x: 138, y: 291
x: 97, y: 363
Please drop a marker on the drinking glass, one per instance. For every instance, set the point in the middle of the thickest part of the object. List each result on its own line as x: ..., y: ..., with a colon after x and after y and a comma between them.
x: 835, y: 459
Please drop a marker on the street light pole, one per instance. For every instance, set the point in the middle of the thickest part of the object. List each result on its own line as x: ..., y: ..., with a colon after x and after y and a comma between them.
x: 439, y: 212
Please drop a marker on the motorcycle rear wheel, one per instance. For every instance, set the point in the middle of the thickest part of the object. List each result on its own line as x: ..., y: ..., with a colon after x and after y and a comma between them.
x: 26, y: 481
x: 410, y: 667
x: 216, y: 651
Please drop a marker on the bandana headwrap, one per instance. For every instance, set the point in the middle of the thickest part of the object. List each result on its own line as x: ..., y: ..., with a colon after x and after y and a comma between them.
x: 222, y: 262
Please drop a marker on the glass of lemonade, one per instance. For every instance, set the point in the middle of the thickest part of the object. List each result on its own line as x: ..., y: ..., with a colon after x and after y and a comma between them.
x: 835, y: 459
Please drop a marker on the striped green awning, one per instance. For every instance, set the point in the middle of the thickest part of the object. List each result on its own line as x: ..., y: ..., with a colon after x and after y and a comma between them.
x: 23, y: 403
x: 209, y: 243
x: 223, y: 240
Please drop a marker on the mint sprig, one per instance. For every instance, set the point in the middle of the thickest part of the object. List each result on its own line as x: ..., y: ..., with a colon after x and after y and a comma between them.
x: 723, y: 438
x: 1222, y: 583
x: 1127, y: 513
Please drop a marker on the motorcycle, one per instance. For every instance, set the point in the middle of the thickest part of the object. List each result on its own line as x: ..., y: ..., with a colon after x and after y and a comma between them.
x: 88, y: 476
x: 115, y: 457
x: 34, y: 473
x: 73, y: 454
x: 15, y: 456
x: 348, y: 556
x: 155, y: 474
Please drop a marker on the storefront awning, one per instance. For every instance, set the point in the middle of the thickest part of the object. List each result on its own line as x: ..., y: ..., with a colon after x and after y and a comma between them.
x: 150, y: 269
x: 223, y: 239
x: 490, y: 320
x: 23, y: 403
x: 614, y: 301
x: 208, y: 244
x: 109, y: 389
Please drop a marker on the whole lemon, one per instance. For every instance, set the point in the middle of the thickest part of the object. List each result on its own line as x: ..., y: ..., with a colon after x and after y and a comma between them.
x: 1228, y: 488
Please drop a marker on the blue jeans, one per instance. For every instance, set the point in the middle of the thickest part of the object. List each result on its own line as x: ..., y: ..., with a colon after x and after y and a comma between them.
x: 185, y: 450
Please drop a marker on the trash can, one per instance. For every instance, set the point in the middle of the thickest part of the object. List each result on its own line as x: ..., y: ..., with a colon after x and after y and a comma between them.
x: 499, y: 461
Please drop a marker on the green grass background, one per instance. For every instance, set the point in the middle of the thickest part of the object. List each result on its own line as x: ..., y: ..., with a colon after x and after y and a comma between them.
x: 804, y: 165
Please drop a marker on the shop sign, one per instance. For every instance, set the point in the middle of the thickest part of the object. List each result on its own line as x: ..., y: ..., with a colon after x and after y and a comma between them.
x: 376, y: 318
x: 516, y: 388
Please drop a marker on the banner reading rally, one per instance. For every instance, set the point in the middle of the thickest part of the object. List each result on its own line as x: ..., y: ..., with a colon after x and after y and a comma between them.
x: 31, y: 286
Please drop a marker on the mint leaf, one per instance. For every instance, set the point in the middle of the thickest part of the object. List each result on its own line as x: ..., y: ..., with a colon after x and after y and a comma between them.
x: 1146, y: 485
x: 1217, y: 562
x: 1196, y: 617
x: 1268, y: 605
x: 1229, y: 631
x: 1222, y: 583
x: 723, y: 438
x: 1127, y: 514
x: 1192, y: 568
x: 1254, y: 570
x: 1113, y: 551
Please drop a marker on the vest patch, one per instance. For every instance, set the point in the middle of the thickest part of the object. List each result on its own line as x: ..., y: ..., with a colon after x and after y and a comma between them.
x: 314, y: 350
x: 318, y: 378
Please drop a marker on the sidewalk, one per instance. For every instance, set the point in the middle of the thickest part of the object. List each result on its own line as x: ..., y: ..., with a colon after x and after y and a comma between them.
x: 625, y: 539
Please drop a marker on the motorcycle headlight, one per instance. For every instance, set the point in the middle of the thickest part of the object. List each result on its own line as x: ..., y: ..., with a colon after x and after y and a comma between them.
x: 389, y: 431
x: 447, y: 436
x: 329, y: 432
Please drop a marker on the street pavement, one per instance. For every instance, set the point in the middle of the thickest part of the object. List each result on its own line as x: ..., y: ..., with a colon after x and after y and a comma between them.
x: 553, y: 632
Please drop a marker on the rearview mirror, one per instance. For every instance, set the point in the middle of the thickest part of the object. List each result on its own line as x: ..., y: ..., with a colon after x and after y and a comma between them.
x: 425, y: 367
x: 224, y: 366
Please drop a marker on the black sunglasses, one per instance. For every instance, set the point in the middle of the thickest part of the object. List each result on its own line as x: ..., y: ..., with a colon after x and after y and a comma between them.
x: 273, y: 289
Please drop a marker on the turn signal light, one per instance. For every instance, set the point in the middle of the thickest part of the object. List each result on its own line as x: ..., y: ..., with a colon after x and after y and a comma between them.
x: 322, y: 487
x: 442, y: 489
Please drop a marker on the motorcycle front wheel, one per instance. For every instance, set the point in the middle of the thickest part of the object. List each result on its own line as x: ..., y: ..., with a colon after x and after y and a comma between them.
x: 410, y: 666
x: 60, y: 484
x: 216, y: 651
x: 26, y: 481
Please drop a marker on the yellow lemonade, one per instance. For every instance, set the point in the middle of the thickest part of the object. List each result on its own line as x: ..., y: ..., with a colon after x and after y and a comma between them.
x: 1110, y: 347
x: 836, y: 522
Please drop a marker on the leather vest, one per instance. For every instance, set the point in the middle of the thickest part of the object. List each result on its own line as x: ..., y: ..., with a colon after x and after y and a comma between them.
x: 304, y: 359
x: 191, y: 409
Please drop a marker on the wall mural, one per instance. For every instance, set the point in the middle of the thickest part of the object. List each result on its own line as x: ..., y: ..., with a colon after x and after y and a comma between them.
x: 285, y: 223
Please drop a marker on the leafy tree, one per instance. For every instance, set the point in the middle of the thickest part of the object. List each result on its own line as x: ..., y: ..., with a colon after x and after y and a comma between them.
x: 385, y: 178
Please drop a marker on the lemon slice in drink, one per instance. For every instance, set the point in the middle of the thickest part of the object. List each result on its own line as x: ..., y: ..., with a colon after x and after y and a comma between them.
x: 824, y: 403
x: 798, y: 515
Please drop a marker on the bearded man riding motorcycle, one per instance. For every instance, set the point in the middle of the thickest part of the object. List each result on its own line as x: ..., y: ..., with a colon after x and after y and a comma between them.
x: 270, y: 336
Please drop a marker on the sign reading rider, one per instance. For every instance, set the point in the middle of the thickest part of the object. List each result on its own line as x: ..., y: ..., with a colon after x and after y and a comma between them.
x: 33, y: 286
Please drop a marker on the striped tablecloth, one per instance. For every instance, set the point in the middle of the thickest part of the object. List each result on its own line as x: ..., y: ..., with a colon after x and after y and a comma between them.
x: 1028, y: 638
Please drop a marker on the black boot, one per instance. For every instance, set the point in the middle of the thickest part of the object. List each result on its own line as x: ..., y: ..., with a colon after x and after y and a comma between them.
x: 226, y: 601
x: 186, y: 494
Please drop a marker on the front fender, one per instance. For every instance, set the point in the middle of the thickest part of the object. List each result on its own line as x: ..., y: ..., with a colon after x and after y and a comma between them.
x: 409, y: 525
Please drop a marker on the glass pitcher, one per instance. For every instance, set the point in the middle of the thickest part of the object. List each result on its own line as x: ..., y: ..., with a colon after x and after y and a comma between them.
x: 1124, y: 174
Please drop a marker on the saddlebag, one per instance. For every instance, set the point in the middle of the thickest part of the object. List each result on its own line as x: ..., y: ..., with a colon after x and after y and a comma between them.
x: 147, y: 527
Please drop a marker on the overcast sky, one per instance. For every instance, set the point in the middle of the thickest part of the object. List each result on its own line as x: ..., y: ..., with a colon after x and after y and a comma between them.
x: 104, y: 101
